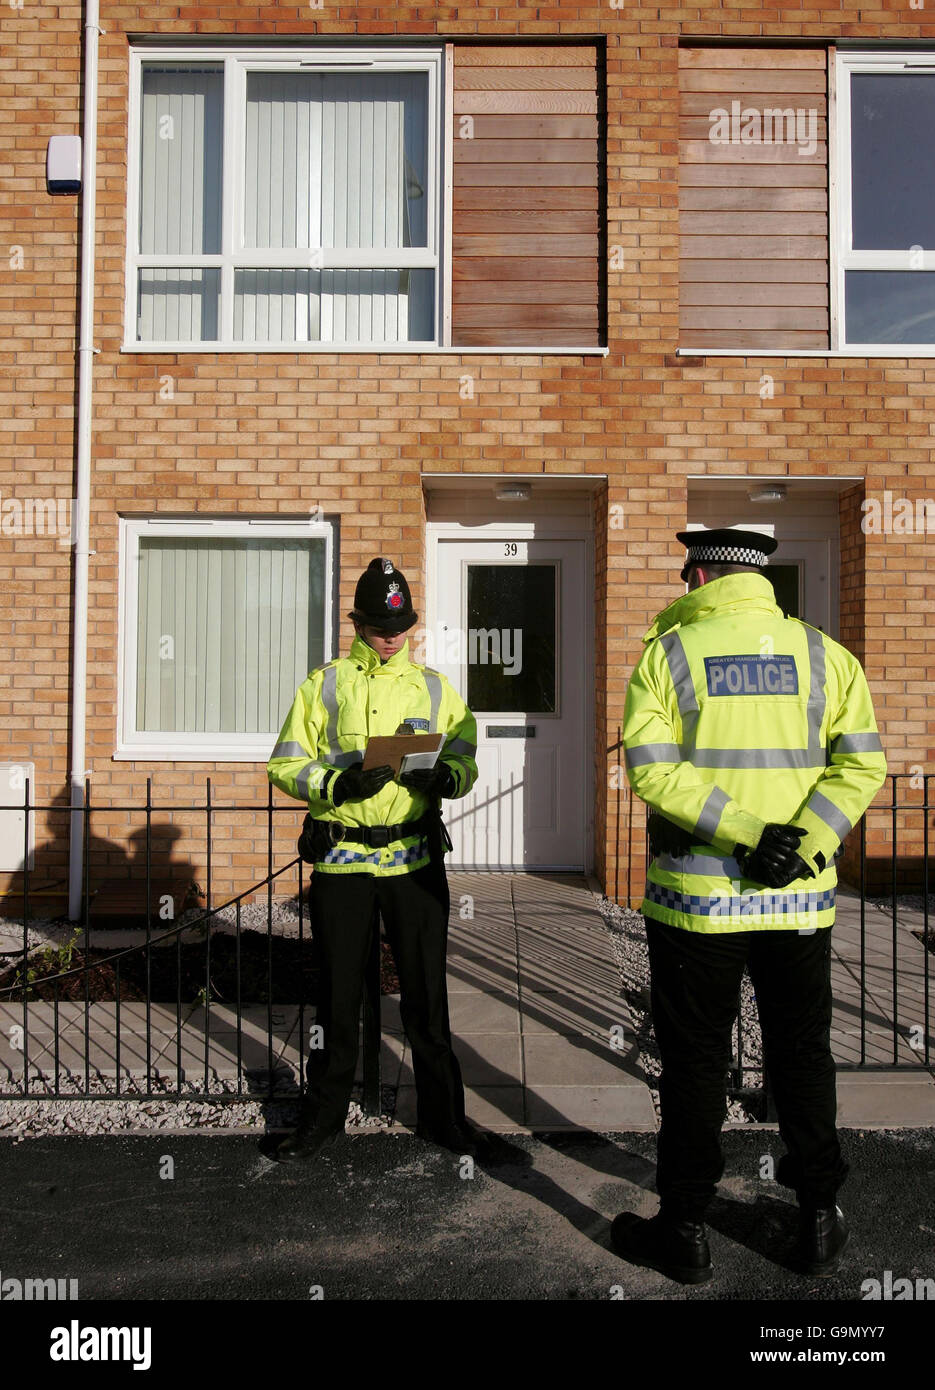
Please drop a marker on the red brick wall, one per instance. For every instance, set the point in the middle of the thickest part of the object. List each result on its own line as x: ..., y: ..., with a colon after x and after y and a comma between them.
x: 276, y: 433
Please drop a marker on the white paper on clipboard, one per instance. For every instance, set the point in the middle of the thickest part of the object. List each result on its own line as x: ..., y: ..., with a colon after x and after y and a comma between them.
x: 411, y: 762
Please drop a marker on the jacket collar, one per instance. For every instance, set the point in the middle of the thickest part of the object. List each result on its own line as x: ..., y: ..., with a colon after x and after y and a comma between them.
x: 365, y: 656
x: 734, y: 593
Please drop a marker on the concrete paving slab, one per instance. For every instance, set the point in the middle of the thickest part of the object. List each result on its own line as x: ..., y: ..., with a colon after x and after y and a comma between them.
x: 885, y: 1099
x: 494, y: 1012
x: 486, y: 1059
x: 556, y: 1059
x: 598, y: 1108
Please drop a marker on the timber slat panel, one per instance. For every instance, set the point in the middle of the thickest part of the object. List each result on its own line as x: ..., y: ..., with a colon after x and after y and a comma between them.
x: 763, y: 341
x: 514, y: 268
x: 525, y: 237
x: 527, y: 175
x: 800, y: 175
x: 567, y: 103
x: 759, y: 272
x: 760, y: 248
x: 534, y: 128
x: 523, y: 223
x: 720, y: 293
x: 801, y: 59
x: 524, y: 199
x: 525, y: 151
x: 753, y: 214
x: 531, y: 55
x: 530, y: 79
x: 731, y: 198
x: 754, y: 223
x: 514, y: 291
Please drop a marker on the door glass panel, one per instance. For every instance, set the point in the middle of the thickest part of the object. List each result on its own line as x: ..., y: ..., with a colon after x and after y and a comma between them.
x: 785, y: 580
x: 512, y: 646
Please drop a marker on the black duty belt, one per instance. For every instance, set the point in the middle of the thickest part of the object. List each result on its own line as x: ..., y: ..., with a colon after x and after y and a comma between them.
x: 377, y: 836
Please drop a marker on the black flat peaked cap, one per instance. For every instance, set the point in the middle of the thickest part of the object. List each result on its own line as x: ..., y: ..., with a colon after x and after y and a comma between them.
x: 726, y: 545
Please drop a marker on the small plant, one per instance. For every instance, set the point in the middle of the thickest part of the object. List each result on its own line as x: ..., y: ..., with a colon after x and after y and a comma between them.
x: 49, y: 961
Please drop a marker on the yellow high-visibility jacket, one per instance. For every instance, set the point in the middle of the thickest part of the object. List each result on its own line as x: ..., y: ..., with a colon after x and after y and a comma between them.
x: 737, y: 716
x: 336, y: 709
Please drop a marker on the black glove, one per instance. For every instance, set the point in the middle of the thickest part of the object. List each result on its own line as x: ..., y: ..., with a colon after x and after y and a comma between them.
x: 665, y: 837
x: 430, y: 781
x: 775, y: 861
x: 356, y: 785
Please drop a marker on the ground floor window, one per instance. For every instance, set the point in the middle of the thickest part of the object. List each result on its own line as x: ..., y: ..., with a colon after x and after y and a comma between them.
x: 220, y: 622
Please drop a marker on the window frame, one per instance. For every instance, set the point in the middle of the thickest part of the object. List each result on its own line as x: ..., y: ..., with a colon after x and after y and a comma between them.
x: 842, y: 255
x: 132, y: 744
x: 236, y: 62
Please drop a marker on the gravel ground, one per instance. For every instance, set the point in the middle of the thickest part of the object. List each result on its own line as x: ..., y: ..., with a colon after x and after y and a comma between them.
x: 628, y: 939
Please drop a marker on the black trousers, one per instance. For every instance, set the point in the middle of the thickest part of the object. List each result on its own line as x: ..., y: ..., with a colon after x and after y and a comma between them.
x: 694, y: 991
x: 414, y: 909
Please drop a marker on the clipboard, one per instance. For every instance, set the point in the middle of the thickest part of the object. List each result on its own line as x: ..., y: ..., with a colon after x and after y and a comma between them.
x: 403, y: 752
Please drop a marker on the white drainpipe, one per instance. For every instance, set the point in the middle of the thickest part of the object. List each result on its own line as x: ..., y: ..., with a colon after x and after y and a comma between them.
x: 82, y: 516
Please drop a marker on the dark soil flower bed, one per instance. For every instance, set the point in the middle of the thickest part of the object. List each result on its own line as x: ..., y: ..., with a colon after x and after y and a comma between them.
x: 281, y: 971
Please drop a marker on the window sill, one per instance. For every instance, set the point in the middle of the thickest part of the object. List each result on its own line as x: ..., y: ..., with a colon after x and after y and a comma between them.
x: 209, y: 753
x: 864, y: 352
x: 384, y: 349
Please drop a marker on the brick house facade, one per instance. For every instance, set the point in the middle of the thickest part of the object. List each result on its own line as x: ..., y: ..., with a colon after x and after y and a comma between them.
x: 381, y: 442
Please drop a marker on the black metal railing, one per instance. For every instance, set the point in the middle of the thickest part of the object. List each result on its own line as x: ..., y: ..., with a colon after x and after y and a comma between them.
x: 35, y: 971
x: 887, y: 856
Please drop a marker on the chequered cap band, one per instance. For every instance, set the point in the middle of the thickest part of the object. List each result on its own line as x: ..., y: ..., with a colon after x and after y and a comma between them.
x: 727, y: 554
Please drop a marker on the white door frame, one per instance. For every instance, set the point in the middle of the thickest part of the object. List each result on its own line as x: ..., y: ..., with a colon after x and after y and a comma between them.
x: 531, y: 529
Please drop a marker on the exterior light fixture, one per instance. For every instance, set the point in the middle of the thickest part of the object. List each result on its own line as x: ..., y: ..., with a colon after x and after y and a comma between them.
x: 515, y: 492
x: 774, y: 492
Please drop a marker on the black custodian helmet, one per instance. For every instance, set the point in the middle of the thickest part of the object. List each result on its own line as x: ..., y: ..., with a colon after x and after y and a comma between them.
x: 382, y: 598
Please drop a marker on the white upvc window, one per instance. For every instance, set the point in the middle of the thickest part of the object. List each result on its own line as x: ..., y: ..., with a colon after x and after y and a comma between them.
x: 883, y: 203
x: 220, y: 622
x: 284, y: 200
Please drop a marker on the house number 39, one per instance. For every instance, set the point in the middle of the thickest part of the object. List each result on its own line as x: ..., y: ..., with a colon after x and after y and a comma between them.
x: 510, y: 548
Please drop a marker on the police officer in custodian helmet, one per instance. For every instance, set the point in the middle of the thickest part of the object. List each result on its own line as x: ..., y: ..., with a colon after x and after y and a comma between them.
x: 752, y: 738
x: 370, y: 837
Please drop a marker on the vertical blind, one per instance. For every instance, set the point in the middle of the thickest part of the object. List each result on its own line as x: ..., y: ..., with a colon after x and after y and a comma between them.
x: 337, y: 161
x: 227, y: 628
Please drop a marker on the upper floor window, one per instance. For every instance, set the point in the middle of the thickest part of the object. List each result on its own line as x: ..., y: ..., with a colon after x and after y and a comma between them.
x: 886, y: 214
x: 278, y: 201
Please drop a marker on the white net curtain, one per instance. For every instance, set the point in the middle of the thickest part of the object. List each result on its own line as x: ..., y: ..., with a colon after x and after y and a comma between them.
x: 331, y: 163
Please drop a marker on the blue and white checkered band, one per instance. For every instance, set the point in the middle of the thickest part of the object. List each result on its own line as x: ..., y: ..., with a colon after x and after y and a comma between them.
x: 726, y: 554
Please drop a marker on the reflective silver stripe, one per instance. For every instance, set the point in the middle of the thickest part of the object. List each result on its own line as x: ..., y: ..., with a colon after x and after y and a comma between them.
x: 827, y: 811
x: 684, y: 687
x: 460, y: 745
x: 433, y: 683
x: 329, y: 699
x: 698, y: 864
x: 857, y: 743
x: 756, y: 757
x: 302, y: 779
x: 816, y: 694
x: 354, y: 755
x: 289, y: 750
x: 711, y: 813
x: 653, y: 753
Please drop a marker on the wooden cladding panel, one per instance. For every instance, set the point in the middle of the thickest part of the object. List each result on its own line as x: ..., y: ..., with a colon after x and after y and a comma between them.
x: 753, y: 200
x: 525, y: 197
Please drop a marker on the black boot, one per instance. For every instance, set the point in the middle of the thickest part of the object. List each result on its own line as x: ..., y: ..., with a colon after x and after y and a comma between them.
x: 823, y: 1234
x: 459, y: 1137
x: 307, y: 1139
x: 678, y: 1249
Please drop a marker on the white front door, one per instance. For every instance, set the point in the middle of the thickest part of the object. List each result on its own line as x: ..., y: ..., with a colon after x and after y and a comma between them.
x: 510, y: 632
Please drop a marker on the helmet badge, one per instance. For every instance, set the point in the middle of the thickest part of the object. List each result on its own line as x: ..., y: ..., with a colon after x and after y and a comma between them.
x: 394, y: 599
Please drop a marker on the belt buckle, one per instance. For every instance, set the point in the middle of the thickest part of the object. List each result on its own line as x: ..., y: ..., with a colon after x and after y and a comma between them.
x: 379, y: 836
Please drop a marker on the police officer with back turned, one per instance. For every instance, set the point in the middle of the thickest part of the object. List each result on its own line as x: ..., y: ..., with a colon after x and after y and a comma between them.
x: 375, y: 840
x: 752, y: 738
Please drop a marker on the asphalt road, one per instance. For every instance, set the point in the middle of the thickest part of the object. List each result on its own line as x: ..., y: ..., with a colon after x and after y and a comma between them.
x: 391, y: 1217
